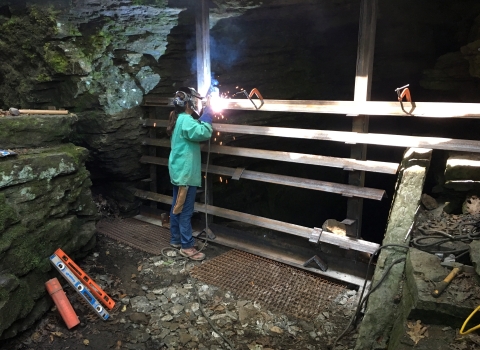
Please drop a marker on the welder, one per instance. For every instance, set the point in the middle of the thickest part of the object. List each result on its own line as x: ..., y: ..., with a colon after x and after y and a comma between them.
x: 184, y: 166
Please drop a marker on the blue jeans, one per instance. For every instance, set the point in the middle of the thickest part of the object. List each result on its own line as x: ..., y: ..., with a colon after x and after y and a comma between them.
x: 181, y: 224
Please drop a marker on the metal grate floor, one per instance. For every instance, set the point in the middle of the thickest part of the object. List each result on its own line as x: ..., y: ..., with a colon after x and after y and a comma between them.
x: 137, y: 234
x: 280, y: 287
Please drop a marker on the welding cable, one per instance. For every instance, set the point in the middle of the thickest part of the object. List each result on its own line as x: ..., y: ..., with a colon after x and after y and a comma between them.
x: 468, y: 331
x: 362, y: 299
x: 439, y: 240
x: 209, y: 320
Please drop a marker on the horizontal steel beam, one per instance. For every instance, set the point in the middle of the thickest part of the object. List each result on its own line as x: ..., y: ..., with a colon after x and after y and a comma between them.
x: 352, y: 108
x: 334, y: 162
x: 343, y: 136
x: 344, y: 242
x: 345, y: 190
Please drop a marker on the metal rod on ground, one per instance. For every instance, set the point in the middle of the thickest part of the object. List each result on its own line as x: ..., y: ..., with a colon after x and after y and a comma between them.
x: 42, y: 111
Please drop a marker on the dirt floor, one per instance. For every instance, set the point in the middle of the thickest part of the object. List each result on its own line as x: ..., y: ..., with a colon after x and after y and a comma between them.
x: 159, y: 306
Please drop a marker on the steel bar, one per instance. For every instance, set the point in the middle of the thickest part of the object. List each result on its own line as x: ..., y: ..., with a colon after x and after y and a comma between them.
x: 343, y: 163
x: 202, y: 30
x: 297, y: 230
x: 351, y: 108
x: 345, y: 190
x: 344, y: 136
x: 43, y: 111
x: 363, y: 83
x: 152, y: 151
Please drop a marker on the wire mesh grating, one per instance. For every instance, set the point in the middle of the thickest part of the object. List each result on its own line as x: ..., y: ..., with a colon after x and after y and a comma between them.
x: 281, y: 287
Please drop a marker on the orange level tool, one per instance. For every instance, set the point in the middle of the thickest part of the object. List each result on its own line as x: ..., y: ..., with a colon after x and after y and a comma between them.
x: 84, y: 278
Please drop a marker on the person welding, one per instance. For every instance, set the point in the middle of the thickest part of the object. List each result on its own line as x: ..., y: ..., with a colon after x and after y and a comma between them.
x: 184, y: 166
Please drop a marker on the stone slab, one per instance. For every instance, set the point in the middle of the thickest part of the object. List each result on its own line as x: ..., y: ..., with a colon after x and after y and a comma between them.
x: 453, y: 306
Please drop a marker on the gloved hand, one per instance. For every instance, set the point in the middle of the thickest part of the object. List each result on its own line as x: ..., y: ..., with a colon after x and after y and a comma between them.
x: 207, y: 115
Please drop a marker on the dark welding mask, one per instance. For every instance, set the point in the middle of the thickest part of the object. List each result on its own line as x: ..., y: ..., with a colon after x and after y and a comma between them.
x: 184, y: 96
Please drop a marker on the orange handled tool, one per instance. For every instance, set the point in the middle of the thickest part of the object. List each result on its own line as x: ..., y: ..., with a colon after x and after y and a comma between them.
x: 440, y: 286
x: 61, y: 301
x: 84, y: 278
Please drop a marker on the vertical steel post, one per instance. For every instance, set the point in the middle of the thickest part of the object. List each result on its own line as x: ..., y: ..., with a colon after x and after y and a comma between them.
x: 202, y: 26
x: 363, y: 83
x: 204, y: 75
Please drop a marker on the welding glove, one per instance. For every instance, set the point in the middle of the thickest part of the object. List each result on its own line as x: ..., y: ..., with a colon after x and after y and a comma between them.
x: 207, y: 115
x: 180, y: 201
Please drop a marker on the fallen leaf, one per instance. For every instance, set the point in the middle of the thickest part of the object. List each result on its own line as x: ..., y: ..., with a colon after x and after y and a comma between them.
x: 139, y: 268
x: 119, y: 345
x: 86, y: 342
x: 417, y: 331
x: 58, y: 334
x: 124, y: 308
x: 36, y: 337
x: 276, y: 329
x: 133, y: 276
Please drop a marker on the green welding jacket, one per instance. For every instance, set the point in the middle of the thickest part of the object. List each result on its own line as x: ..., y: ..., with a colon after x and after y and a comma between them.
x: 184, y: 162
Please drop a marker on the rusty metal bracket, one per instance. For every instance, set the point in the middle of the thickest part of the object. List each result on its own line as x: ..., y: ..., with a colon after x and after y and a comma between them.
x: 238, y: 173
x: 321, y: 263
x: 315, y: 235
x: 259, y: 95
x: 404, y: 92
x: 249, y: 96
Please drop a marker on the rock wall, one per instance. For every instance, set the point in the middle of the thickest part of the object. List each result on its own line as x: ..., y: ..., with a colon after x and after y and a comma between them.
x: 45, y: 203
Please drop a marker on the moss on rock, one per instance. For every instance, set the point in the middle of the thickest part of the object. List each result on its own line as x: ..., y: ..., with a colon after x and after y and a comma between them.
x: 21, y: 51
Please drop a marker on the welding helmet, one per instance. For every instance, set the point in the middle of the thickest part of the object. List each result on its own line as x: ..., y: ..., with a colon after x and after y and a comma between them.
x: 184, y: 96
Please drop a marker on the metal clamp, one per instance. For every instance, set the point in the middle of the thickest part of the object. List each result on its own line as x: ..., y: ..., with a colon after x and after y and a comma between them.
x: 321, y: 263
x: 259, y: 95
x: 249, y: 96
x: 404, y: 92
x: 238, y: 173
x: 315, y: 235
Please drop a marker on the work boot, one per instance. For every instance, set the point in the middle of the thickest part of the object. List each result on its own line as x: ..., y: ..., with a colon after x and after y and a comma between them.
x: 192, y: 253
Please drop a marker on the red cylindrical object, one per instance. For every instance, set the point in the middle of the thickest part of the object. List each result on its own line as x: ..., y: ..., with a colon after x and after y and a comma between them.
x: 61, y: 301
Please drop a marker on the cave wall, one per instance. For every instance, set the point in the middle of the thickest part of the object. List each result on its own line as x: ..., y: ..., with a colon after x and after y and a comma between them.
x: 100, y: 57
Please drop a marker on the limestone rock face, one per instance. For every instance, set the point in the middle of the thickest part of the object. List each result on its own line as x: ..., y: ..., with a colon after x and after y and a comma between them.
x: 115, y: 143
x: 45, y: 203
